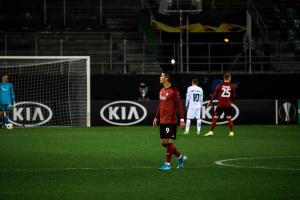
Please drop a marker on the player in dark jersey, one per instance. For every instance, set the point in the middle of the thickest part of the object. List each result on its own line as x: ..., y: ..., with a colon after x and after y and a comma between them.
x: 170, y: 102
x: 226, y: 94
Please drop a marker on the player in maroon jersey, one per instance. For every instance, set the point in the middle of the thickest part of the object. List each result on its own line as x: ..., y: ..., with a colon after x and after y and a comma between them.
x: 226, y: 94
x: 170, y: 102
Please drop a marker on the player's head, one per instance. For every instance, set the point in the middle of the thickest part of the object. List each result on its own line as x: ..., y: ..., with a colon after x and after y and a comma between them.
x: 165, y: 77
x: 4, y: 78
x: 195, y: 81
x: 227, y: 77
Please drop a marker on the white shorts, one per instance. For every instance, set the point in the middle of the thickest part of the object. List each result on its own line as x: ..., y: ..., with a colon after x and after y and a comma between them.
x: 193, y: 113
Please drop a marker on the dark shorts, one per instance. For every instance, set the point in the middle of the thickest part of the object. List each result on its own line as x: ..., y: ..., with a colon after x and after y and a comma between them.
x: 5, y: 107
x: 168, y: 131
x: 227, y: 110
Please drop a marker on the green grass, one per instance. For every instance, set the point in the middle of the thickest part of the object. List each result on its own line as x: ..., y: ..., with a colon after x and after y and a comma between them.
x: 121, y: 163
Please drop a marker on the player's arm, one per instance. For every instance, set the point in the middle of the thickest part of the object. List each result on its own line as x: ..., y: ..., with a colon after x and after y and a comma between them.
x: 201, y: 97
x: 187, y: 99
x: 214, y: 95
x: 180, y: 109
x: 233, y: 93
x: 12, y: 95
x: 155, y: 120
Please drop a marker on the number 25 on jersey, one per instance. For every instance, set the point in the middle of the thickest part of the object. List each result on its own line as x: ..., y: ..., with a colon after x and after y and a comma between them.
x: 226, y: 91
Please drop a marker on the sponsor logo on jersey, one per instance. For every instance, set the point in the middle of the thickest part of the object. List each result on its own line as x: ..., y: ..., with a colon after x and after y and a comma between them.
x: 207, y: 113
x: 4, y: 88
x: 287, y: 112
x: 30, y: 114
x: 123, y: 113
x: 163, y: 98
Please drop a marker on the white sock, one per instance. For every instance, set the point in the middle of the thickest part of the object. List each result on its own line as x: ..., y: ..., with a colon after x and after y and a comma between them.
x: 198, y: 125
x: 187, y: 125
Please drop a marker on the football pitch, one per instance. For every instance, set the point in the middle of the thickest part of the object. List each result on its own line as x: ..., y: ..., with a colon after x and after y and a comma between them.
x: 260, y: 162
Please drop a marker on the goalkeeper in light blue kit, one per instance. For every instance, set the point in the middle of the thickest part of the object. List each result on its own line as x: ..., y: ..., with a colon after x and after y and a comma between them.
x: 7, y: 99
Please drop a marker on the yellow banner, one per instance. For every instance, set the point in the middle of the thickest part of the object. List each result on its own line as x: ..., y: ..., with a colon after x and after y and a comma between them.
x: 199, y: 28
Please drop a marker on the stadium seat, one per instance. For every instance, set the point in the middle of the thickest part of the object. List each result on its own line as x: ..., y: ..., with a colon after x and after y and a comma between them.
x: 297, y: 47
x: 291, y: 13
x: 283, y: 3
x: 276, y: 12
x: 296, y: 25
x: 291, y: 35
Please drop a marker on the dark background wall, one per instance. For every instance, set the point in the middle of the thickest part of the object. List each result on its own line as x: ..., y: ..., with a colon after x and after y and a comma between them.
x: 125, y: 87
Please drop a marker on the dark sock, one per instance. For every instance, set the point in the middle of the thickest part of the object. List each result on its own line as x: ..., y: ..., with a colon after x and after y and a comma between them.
x: 6, y: 118
x: 213, y: 124
x: 169, y: 153
x: 230, y: 125
x: 174, y: 151
x: 164, y: 145
x: 3, y: 120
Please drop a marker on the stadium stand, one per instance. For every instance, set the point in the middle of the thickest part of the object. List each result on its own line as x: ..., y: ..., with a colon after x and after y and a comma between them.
x: 282, y: 19
x: 120, y: 37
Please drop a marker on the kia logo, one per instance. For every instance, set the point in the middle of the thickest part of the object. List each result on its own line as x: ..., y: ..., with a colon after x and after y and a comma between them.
x: 123, y: 113
x: 208, y: 113
x: 31, y: 114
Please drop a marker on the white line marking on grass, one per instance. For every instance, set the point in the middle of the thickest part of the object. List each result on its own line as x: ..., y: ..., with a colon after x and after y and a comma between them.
x: 9, y: 133
x: 69, y: 169
x: 225, y: 164
x: 87, y: 169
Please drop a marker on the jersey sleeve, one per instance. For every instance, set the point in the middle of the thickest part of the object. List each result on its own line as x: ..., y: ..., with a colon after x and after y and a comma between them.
x: 201, y: 96
x: 179, y: 104
x: 187, y: 100
x: 233, y: 93
x: 12, y: 94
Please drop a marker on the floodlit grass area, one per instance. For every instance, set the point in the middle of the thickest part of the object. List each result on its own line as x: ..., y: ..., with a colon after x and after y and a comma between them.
x: 122, y: 163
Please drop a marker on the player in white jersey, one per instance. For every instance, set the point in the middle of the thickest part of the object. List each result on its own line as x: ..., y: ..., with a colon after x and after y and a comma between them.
x: 194, y: 100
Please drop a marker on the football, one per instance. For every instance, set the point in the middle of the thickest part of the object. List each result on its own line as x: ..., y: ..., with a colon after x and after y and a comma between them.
x: 9, y: 126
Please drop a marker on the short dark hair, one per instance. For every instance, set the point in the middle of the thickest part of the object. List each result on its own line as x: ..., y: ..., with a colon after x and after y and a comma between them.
x: 195, y: 81
x: 169, y: 76
x: 227, y: 76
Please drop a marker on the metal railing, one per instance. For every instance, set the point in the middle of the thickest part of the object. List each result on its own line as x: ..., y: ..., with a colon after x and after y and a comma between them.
x: 122, y: 56
x: 63, y: 14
